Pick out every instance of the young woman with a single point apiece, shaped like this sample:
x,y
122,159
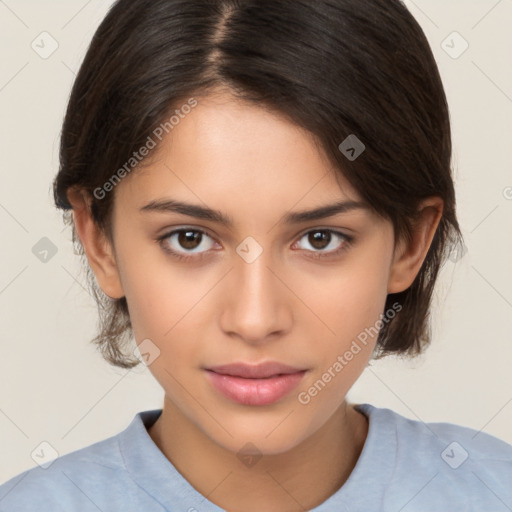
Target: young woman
x,y
262,192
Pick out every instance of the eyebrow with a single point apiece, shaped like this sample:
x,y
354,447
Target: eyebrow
x,y
205,213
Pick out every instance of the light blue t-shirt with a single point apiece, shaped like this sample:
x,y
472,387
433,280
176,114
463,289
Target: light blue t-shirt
x,y
405,466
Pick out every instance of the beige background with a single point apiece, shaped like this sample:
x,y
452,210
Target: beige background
x,y
54,387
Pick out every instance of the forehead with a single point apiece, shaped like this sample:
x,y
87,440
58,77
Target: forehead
x,y
227,152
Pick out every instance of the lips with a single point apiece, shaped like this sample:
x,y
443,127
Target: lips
x,y
260,371
254,385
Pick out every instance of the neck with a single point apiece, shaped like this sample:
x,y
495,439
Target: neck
x,y
296,480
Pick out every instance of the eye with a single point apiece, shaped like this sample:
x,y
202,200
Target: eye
x,y
194,244
186,243
326,242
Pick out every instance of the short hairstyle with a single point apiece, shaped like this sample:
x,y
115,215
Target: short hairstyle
x,y
333,67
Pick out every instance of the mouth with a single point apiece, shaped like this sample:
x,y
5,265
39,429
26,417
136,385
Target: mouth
x,y
254,385
260,371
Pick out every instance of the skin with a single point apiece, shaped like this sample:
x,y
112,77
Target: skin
x,y
286,306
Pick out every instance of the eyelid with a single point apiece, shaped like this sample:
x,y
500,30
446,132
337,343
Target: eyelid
x,y
332,229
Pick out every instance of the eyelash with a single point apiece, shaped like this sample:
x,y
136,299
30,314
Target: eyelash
x,y
347,243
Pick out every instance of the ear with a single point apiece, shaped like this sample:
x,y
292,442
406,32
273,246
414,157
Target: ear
x,y
97,247
409,256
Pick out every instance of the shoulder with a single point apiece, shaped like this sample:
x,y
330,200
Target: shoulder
x,y
96,477
61,481
482,445
443,461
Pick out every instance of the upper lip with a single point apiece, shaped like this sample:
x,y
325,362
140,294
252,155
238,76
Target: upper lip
x,y
251,371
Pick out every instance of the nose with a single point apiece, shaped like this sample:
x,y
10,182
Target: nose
x,y
256,304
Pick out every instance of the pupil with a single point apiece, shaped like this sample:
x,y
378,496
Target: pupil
x,y
188,239
318,238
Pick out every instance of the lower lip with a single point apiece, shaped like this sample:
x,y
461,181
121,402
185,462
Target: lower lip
x,y
255,391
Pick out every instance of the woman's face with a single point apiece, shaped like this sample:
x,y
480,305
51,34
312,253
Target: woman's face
x,y
267,287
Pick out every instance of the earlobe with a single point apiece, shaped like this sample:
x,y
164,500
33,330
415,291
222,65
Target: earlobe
x,y
97,247
409,256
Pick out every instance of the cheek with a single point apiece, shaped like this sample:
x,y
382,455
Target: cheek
x,y
351,305
348,298
160,295
159,292
350,301
162,303
167,300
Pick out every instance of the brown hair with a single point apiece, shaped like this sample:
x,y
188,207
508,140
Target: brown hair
x,y
333,67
